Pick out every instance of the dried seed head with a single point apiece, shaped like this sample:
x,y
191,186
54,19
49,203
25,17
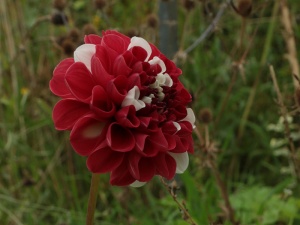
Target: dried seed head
x,y
100,4
152,21
244,7
205,115
131,33
189,4
74,34
89,29
59,18
68,46
59,4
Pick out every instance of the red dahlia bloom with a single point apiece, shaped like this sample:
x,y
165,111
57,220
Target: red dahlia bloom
x,y
125,107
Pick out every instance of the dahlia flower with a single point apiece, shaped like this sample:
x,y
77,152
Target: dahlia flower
x,y
125,107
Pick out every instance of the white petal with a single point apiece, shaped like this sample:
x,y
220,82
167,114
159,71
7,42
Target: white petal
x,y
158,61
182,161
140,42
161,79
168,81
190,117
155,84
160,94
177,125
137,184
84,54
93,130
147,99
132,98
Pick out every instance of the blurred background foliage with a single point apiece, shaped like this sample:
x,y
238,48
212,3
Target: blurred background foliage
x,y
246,154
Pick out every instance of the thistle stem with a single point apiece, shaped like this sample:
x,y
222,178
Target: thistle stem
x,y
92,198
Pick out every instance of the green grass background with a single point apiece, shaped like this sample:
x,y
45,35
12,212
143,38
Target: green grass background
x,y
42,181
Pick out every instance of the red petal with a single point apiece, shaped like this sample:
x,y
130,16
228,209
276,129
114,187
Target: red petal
x,y
150,149
124,38
117,89
101,104
169,128
136,80
92,39
140,53
100,75
66,112
119,138
147,169
181,145
133,165
104,160
165,165
121,175
129,58
171,141
104,57
126,117
87,134
158,138
186,128
140,140
141,168
57,83
80,82
120,67
180,112
114,42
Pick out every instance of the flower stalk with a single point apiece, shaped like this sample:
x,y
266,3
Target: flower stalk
x,y
92,198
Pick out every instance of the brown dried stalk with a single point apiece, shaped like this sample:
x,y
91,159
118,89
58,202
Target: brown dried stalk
x,y
289,38
211,150
284,114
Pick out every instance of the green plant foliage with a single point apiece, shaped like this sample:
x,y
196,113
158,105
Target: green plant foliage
x,y
43,182
265,205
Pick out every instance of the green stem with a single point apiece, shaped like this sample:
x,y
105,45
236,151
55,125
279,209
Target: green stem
x,y
92,199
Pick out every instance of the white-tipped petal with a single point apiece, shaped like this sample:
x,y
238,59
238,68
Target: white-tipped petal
x,y
190,117
182,161
158,61
137,184
140,42
132,98
177,125
84,54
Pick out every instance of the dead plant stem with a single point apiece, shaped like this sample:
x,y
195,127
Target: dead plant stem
x,y
209,29
181,206
223,191
289,38
284,114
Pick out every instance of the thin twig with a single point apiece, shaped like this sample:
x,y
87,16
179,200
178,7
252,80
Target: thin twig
x,y
186,215
208,29
27,36
284,114
210,149
224,193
